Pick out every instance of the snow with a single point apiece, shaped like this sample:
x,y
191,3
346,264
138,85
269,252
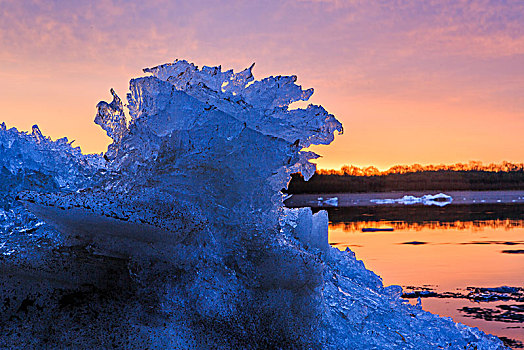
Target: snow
x,y
179,237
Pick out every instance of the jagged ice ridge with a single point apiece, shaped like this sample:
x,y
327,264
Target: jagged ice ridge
x,y
178,238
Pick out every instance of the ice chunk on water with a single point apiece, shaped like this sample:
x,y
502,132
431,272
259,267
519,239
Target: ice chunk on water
x,y
439,199
333,201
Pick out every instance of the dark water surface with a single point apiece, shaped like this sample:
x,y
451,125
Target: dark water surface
x,y
464,260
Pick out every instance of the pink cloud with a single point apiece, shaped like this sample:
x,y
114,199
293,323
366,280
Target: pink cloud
x,y
457,52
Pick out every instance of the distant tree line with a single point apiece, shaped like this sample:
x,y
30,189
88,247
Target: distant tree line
x,y
424,180
403,169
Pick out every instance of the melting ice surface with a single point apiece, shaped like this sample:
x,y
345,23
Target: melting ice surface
x,y
179,238
439,199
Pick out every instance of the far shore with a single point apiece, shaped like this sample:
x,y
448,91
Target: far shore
x,y
422,181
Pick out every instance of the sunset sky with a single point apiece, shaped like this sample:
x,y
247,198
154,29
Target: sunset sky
x,y
412,81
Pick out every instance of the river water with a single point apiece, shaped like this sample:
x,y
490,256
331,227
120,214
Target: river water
x,y
463,259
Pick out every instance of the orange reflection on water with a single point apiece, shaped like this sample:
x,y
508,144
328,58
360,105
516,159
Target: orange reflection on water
x,y
446,256
477,225
450,255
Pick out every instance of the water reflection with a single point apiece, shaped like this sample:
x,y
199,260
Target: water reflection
x,y
478,225
451,214
457,259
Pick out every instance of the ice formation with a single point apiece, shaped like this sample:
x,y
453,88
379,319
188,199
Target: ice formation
x,y
180,239
31,161
333,201
439,199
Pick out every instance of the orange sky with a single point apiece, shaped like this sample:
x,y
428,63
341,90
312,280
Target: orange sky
x,y
412,82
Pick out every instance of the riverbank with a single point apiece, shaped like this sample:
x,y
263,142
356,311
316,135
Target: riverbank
x,y
442,180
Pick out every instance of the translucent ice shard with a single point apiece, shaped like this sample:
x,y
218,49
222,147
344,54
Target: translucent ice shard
x,y
261,105
112,119
44,163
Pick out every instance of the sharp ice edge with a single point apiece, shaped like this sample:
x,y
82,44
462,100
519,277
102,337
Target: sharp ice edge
x,y
192,200
38,161
439,199
32,161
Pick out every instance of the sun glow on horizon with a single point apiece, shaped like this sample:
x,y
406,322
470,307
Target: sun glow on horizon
x,y
429,84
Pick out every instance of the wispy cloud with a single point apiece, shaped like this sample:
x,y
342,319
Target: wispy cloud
x,y
462,53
